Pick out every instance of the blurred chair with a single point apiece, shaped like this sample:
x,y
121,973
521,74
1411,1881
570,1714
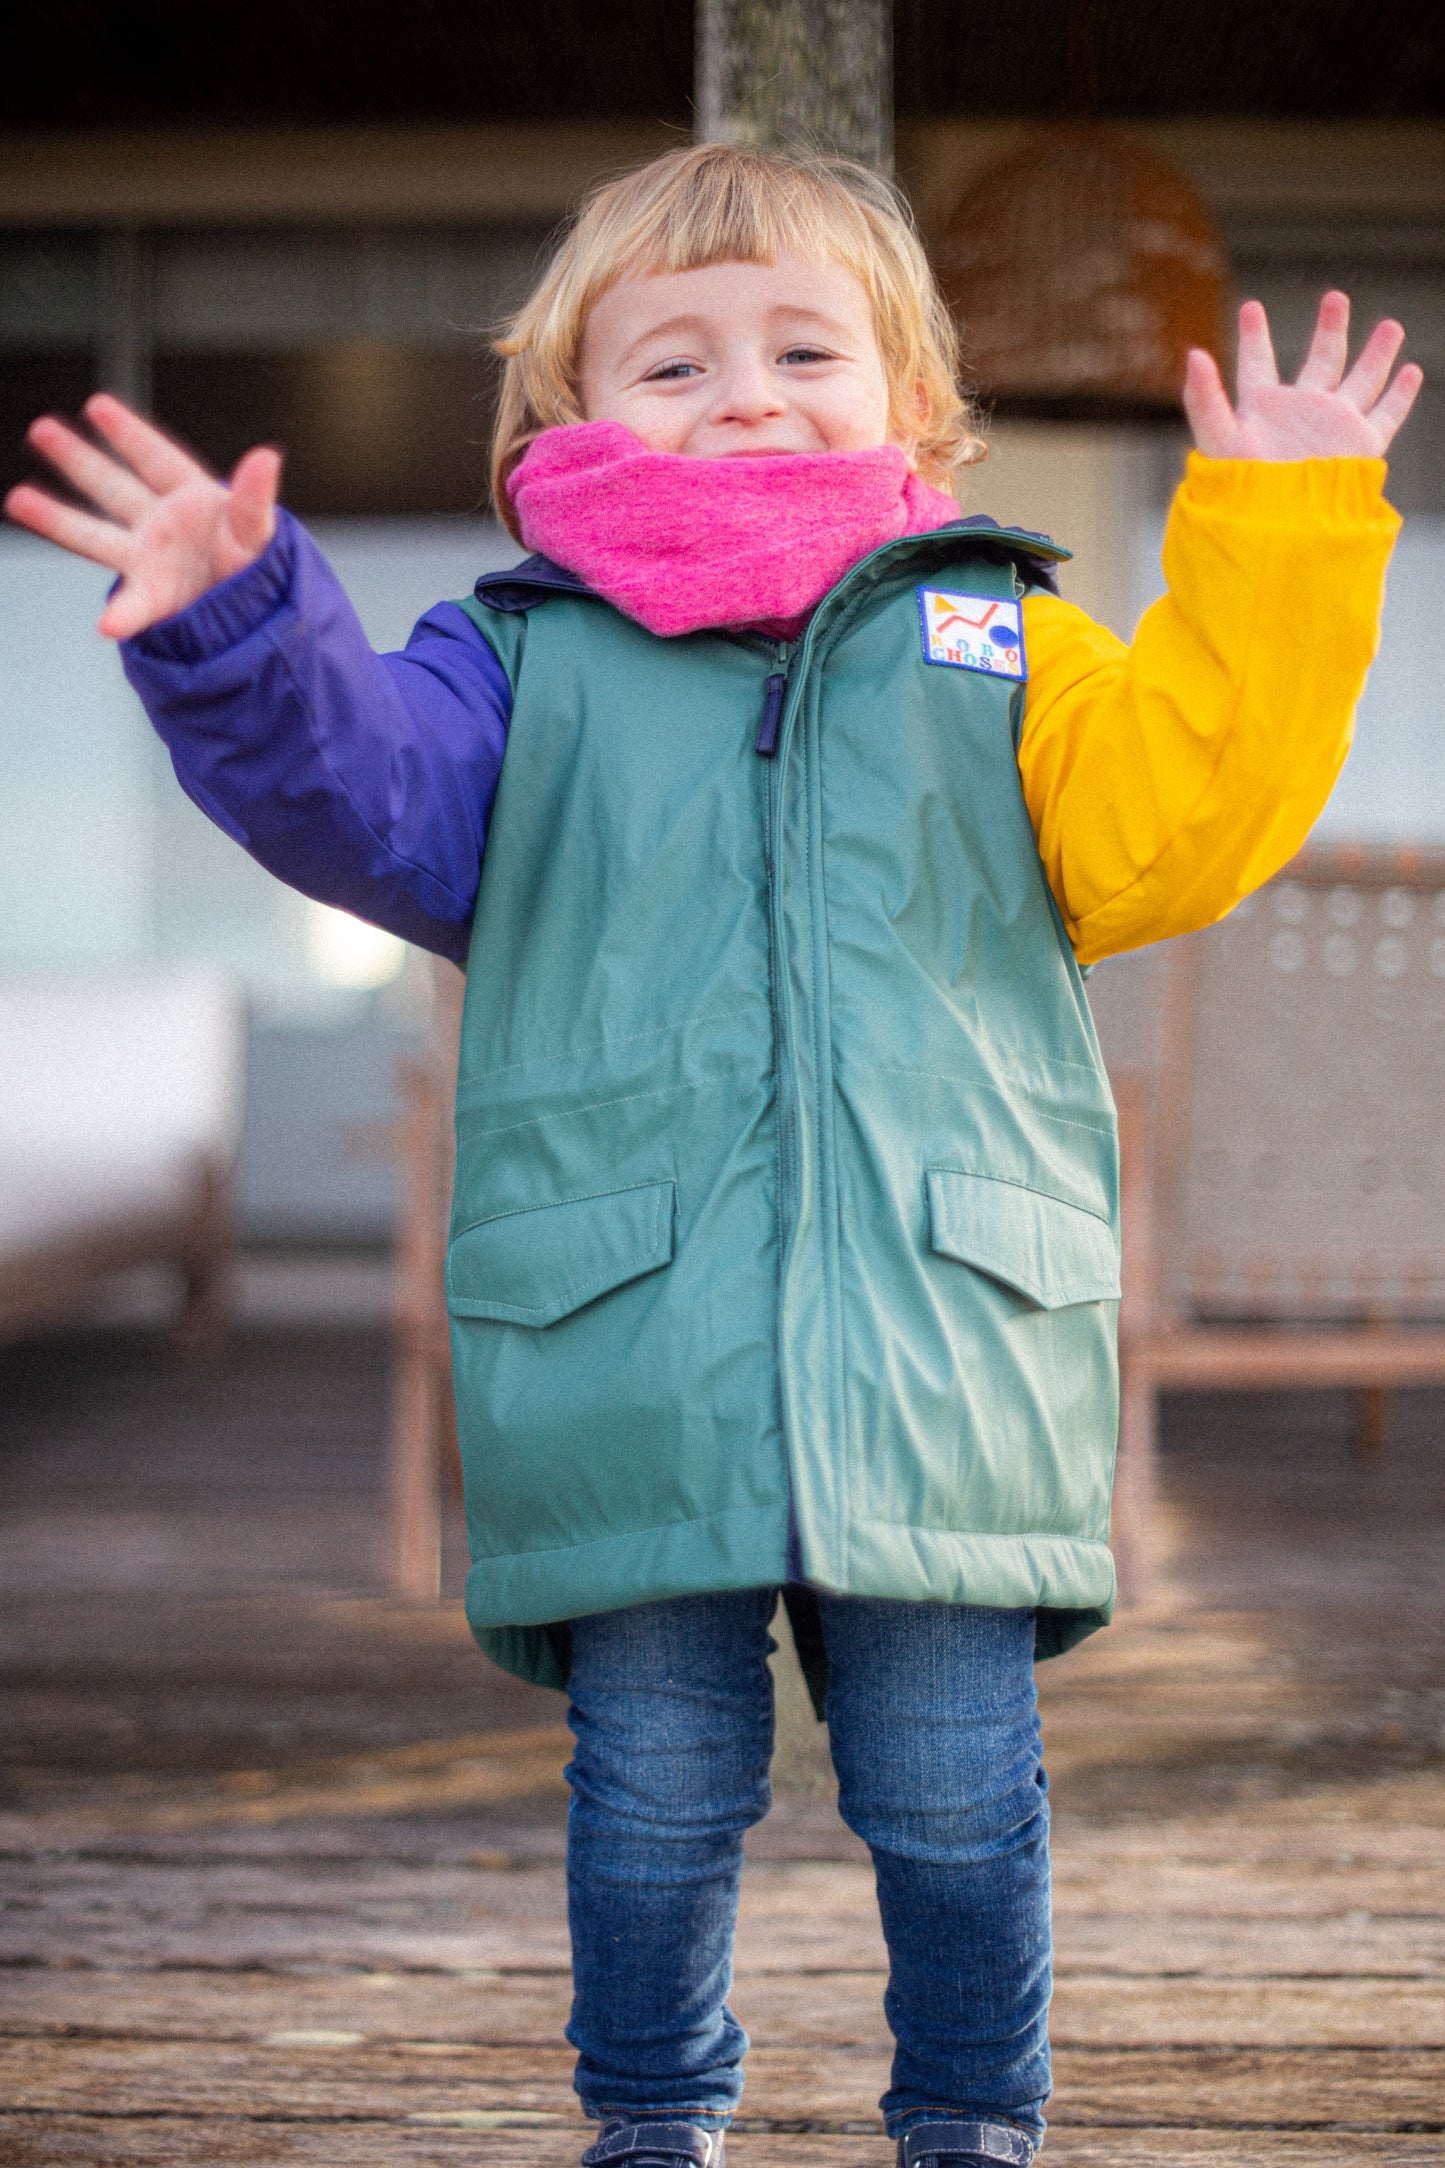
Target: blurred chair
x,y
422,1441
1281,1088
120,1110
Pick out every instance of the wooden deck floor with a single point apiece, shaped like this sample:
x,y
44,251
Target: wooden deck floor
x,y
282,1859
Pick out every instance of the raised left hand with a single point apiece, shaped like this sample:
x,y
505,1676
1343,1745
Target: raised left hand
x,y
1324,414
164,522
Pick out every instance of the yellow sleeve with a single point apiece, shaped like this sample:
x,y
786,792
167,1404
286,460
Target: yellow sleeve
x,y
1168,779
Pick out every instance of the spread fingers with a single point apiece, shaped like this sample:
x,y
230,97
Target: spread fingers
x,y
96,474
1371,373
99,539
1394,405
1255,367
159,463
1324,364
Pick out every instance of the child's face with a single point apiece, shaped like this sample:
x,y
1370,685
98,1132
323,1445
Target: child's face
x,y
739,358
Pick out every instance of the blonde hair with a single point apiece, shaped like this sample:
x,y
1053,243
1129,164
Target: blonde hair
x,y
716,203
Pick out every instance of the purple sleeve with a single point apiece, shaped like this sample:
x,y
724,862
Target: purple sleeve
x,y
364,780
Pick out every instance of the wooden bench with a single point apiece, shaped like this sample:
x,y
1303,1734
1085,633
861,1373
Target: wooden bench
x,y
1281,1088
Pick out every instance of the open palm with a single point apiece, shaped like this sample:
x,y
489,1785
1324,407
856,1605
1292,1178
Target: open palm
x,y
1325,414
162,520
171,529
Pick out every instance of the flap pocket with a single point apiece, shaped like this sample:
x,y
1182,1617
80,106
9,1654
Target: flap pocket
x,y
535,1266
1053,1252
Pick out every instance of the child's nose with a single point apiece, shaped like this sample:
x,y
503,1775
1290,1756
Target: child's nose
x,y
749,392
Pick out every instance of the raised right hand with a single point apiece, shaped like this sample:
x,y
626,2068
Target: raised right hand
x,y
163,522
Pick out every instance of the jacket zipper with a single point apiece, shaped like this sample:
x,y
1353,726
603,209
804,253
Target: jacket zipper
x,y
781,698
774,697
774,694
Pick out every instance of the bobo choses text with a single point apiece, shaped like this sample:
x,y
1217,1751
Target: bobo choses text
x,y
786,1176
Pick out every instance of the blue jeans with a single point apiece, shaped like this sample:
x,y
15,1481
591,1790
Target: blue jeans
x,y
934,1732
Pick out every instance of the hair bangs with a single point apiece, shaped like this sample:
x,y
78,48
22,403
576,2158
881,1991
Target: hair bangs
x,y
720,203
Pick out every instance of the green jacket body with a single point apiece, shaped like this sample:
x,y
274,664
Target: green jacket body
x,y
785,1226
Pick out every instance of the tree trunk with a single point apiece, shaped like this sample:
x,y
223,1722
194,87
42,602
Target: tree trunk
x,y
798,75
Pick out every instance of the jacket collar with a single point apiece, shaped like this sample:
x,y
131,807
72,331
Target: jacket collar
x,y
1034,556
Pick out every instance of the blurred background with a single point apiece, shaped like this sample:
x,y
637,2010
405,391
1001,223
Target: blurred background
x,y
297,223
282,1853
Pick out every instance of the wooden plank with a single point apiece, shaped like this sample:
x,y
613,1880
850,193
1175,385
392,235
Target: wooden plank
x,y
1238,1839
1101,1943
779,2009
1153,2148
1224,1672
1178,1760
278,1944
1307,1885
212,2005
1101,1727
317,1887
1299,1888
1237,2088
1097,2010
1222,2088
187,2142
77,2140
1265,1839
1233,1948
792,1917
272,1913
386,1893
477,1769
379,2079
1251,1947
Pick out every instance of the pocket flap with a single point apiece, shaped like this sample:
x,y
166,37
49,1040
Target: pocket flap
x,y
1053,1252
534,1266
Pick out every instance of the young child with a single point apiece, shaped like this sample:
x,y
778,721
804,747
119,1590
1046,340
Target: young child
x,y
773,809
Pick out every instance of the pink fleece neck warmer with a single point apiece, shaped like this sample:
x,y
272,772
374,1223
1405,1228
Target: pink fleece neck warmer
x,y
680,544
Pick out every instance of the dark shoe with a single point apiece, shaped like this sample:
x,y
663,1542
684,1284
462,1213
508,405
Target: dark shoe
x,y
965,2145
655,2145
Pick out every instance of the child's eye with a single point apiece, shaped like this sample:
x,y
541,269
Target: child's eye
x,y
806,353
668,372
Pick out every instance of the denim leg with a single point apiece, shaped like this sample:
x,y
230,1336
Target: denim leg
x,y
934,1731
672,1708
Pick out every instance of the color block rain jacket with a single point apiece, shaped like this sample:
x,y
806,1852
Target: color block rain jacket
x,y
784,1241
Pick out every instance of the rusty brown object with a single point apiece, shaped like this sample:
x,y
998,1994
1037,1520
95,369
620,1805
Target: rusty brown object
x,y
1081,268
421,1445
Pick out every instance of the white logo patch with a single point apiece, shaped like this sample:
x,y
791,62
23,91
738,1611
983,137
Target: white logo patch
x,y
973,632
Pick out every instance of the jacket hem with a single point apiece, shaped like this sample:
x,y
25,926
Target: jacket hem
x,y
744,1547
1002,1572
1068,1582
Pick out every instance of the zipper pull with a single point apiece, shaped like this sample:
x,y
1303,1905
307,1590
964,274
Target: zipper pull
x,y
767,740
